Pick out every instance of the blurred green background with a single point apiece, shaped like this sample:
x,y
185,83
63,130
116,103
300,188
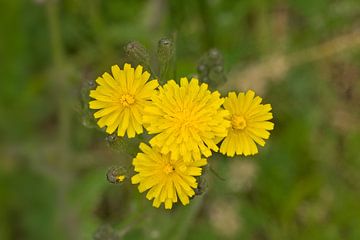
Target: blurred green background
x,y
302,56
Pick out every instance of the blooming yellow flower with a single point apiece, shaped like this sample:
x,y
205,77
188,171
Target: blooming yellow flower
x,y
166,178
121,98
188,119
249,124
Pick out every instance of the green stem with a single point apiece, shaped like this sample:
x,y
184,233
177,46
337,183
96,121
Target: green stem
x,y
184,226
60,85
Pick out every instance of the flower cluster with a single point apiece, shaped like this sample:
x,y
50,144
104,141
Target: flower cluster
x,y
188,122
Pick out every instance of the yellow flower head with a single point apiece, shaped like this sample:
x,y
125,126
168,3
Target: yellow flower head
x,y
188,119
121,98
166,178
249,124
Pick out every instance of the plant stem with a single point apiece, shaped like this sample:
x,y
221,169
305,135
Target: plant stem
x,y
183,227
60,85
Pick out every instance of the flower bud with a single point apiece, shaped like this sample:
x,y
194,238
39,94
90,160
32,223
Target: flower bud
x,y
166,59
165,50
116,174
211,68
87,118
202,186
123,144
137,53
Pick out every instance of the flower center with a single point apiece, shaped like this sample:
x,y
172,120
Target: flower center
x,y
184,118
238,122
168,168
127,100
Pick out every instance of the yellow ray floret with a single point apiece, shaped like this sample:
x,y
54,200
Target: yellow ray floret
x,y
166,179
249,124
120,99
187,118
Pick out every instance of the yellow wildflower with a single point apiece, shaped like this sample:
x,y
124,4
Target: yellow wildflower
x,y
165,178
188,119
121,98
249,124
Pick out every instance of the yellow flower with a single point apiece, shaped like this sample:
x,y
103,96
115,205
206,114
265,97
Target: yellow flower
x,y
188,119
249,124
165,178
121,98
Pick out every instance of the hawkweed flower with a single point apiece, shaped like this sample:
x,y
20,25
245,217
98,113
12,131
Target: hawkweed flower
x,y
249,124
121,98
187,119
165,178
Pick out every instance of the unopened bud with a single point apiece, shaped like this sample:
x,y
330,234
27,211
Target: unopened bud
x,y
116,174
87,118
165,50
111,138
137,53
91,84
166,59
215,55
211,68
123,144
202,186
202,69
217,76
